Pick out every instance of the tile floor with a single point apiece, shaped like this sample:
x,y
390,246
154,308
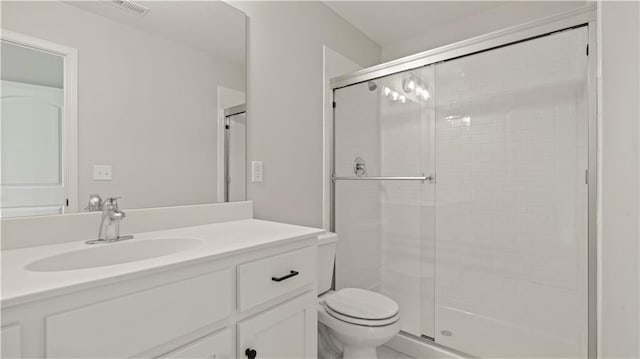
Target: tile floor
x,y
388,353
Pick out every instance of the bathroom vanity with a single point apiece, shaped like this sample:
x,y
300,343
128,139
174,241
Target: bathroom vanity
x,y
232,289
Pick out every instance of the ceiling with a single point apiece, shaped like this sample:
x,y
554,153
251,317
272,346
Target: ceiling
x,y
388,21
211,26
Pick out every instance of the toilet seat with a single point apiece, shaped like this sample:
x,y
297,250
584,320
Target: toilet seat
x,y
362,307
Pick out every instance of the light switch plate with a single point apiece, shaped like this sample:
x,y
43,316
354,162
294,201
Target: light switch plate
x,y
257,171
102,172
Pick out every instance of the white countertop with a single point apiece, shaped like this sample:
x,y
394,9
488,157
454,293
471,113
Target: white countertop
x,y
220,239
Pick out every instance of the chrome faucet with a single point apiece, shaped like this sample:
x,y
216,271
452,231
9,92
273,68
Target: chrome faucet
x,y
110,214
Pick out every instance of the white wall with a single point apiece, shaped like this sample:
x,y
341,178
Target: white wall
x,y
510,14
619,242
285,101
146,105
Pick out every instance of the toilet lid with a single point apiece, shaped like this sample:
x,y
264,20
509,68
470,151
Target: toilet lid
x,y
362,304
362,322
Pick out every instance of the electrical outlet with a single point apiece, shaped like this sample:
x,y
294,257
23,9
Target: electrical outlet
x,y
257,171
102,172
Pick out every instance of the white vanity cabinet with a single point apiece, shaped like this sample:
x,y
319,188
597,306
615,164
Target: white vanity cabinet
x,y
216,308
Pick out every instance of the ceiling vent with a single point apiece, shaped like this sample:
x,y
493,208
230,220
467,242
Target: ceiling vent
x,y
130,7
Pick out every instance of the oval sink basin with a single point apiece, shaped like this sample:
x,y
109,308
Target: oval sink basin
x,y
108,254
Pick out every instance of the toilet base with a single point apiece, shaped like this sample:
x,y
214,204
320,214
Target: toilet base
x,y
354,352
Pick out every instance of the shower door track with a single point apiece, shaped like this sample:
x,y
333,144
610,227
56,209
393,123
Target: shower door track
x,y
584,16
546,26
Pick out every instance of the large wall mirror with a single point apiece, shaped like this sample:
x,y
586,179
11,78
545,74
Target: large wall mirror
x,y
143,100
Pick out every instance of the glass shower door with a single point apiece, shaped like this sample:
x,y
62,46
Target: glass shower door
x,y
511,200
381,129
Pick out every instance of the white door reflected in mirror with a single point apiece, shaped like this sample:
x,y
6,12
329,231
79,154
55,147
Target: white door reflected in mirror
x,y
38,130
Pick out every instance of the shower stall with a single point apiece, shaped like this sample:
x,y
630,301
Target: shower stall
x,y
463,187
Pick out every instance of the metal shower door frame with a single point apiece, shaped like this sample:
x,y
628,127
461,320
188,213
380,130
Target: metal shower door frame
x,y
584,16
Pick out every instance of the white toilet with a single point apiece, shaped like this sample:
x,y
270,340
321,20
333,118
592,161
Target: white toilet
x,y
351,320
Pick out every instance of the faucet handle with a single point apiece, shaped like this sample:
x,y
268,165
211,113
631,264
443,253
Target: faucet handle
x,y
95,203
111,201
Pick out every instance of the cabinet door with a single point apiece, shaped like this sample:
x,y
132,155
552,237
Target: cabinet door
x,y
11,342
286,331
214,346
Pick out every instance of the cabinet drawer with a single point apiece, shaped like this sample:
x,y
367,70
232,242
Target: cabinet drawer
x,y
214,346
129,325
269,278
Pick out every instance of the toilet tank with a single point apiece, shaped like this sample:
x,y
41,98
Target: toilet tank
x,y
326,259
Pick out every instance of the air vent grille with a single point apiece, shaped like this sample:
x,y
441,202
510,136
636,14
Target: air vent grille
x,y
130,7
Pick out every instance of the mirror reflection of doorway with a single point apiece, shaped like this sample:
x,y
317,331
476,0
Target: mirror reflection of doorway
x,y
235,128
38,127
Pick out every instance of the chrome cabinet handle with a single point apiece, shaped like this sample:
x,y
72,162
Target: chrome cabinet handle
x,y
280,279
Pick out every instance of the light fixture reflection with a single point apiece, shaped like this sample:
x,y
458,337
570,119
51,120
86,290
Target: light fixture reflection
x,y
413,86
459,120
